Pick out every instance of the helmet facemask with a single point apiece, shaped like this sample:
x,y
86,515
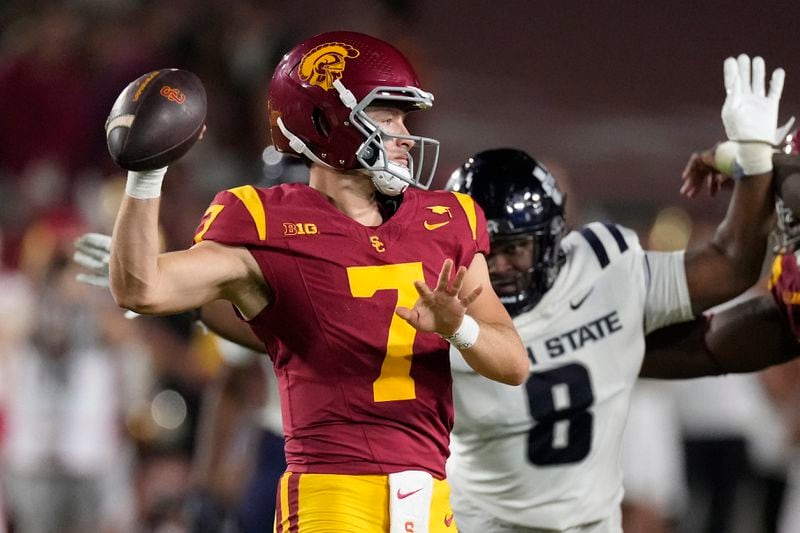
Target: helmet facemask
x,y
530,284
388,177
520,200
787,229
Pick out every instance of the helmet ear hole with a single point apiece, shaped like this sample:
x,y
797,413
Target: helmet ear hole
x,y
320,122
369,153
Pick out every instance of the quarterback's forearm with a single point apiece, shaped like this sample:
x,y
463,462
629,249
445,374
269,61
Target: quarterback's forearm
x,y
133,266
731,262
498,354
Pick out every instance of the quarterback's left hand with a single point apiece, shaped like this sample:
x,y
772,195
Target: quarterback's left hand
x,y
440,310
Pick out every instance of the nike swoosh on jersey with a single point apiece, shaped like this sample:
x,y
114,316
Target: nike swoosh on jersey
x,y
448,520
575,305
432,227
404,495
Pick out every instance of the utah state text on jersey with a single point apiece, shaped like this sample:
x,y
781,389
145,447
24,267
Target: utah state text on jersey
x,y
575,339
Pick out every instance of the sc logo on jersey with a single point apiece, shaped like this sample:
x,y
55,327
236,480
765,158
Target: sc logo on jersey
x,y
299,228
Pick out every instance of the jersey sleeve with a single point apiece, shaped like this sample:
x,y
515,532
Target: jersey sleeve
x,y
784,284
236,217
660,275
667,301
477,222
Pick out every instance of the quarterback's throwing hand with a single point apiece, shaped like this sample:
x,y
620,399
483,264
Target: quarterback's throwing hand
x,y
440,310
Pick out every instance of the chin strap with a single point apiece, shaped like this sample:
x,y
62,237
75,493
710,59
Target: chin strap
x,y
388,182
297,144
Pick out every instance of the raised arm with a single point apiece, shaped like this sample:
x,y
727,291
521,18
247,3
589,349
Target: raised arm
x,y
753,332
731,262
148,282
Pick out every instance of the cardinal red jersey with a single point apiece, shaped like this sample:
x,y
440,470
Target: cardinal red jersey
x,y
784,283
362,392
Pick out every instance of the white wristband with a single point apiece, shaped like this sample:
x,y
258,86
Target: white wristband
x,y
754,158
466,335
145,184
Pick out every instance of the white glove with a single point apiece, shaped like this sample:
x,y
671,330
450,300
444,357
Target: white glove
x,y
93,251
750,115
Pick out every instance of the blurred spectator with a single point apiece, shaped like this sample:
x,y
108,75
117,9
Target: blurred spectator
x,y
652,461
66,458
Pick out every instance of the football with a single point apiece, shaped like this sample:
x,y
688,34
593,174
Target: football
x,y
156,119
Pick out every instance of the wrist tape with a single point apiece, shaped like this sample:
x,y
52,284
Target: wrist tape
x,y
145,184
754,158
466,335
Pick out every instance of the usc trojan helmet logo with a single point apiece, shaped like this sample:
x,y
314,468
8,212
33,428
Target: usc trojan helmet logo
x,y
325,64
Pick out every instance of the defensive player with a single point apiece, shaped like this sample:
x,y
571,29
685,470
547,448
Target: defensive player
x,y
545,457
334,279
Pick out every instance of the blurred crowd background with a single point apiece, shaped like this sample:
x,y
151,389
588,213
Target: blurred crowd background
x,y
102,418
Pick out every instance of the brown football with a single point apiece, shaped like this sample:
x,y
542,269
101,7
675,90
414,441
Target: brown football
x,y
156,119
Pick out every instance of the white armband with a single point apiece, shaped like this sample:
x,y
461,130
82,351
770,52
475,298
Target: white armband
x,y
466,335
145,184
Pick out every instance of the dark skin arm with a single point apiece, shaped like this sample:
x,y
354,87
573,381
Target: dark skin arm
x,y
731,261
749,336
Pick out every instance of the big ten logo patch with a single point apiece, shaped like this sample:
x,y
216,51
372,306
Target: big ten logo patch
x,y
299,228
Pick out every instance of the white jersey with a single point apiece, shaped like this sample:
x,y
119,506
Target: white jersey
x,y
546,454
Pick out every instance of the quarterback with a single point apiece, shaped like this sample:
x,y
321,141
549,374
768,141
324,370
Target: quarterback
x,y
356,284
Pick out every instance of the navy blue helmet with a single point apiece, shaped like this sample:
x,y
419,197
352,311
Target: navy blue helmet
x,y
521,200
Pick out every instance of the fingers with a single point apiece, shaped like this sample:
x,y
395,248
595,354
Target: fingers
x,y
444,284
98,241
404,312
696,173
424,291
471,297
90,261
458,282
444,276
731,75
758,76
776,84
744,71
783,131
93,279
713,185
